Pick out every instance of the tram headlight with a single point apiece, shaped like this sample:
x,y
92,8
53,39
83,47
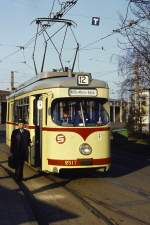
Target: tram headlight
x,y
85,149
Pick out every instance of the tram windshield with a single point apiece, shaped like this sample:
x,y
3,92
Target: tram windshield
x,y
79,112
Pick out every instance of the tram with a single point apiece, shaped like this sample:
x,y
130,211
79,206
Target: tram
x,y
67,114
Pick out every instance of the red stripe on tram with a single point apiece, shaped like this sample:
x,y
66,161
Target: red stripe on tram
x,y
12,123
16,124
83,132
79,162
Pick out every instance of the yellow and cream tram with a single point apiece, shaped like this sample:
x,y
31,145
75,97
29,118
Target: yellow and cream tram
x,y
67,115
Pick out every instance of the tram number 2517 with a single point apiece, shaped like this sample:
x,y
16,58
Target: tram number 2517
x,y
70,162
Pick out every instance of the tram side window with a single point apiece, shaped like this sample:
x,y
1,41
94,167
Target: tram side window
x,y
22,110
79,112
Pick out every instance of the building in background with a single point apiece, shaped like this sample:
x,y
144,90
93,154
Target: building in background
x,y
3,105
145,110
118,113
139,110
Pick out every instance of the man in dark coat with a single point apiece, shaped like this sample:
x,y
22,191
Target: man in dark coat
x,y
20,140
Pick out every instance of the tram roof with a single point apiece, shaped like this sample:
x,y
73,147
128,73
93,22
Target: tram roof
x,y
55,80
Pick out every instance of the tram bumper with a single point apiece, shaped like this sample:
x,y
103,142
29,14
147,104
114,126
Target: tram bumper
x,y
102,164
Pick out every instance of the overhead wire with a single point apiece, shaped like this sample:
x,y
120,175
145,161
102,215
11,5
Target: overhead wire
x,y
30,41
112,33
25,46
18,50
23,55
96,41
9,55
52,8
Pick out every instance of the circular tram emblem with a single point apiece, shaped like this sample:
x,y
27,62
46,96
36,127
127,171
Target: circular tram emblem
x,y
60,138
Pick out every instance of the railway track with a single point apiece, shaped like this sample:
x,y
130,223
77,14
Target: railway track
x,y
87,202
91,204
104,212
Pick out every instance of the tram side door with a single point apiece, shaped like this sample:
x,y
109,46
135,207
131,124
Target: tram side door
x,y
37,120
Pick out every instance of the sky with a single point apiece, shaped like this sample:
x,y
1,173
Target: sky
x,y
100,59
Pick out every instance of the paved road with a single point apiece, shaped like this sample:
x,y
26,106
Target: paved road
x,y
120,198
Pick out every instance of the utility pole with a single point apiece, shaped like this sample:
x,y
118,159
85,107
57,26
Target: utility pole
x,y
12,81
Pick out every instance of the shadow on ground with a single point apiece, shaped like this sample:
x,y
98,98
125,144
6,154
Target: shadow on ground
x,y
128,158
45,213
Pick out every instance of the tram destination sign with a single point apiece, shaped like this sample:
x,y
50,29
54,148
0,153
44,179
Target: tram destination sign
x,y
82,92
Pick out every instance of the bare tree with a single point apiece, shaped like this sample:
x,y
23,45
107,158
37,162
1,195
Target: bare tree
x,y
134,64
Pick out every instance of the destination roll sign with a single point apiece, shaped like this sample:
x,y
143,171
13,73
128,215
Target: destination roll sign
x,y
82,92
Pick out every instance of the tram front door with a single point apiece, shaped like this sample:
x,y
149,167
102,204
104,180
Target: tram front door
x,y
37,120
